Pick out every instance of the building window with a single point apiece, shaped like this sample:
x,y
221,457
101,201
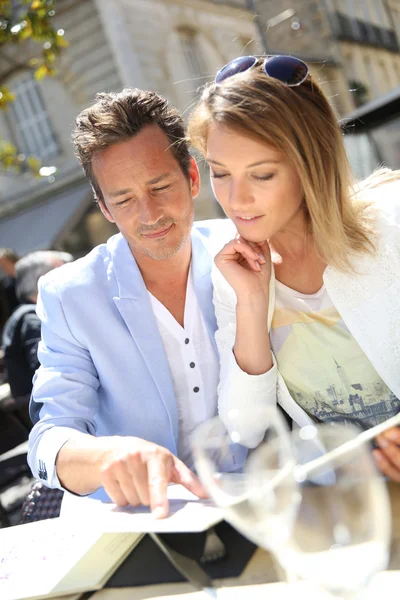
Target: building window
x,y
382,18
192,54
397,71
384,77
396,20
370,69
33,131
349,64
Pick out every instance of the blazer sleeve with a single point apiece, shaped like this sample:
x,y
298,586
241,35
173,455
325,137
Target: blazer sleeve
x,y
64,398
242,398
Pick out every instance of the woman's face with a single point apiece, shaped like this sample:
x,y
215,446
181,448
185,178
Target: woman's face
x,y
254,183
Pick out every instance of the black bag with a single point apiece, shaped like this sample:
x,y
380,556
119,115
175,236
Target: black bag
x,y
41,503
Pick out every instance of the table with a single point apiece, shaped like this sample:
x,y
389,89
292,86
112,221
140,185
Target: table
x,y
384,585
255,580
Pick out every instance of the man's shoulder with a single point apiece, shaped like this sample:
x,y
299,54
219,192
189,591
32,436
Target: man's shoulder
x,y
217,231
30,325
210,227
88,271
23,314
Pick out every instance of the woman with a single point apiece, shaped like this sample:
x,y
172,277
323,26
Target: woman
x,y
308,293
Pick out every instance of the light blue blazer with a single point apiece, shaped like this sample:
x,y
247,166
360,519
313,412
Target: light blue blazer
x,y
103,369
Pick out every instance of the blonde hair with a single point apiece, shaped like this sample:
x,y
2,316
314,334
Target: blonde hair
x,y
300,122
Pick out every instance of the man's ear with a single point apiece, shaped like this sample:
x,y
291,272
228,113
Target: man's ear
x,y
104,210
194,177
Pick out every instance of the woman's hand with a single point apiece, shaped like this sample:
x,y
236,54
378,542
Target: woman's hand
x,y
388,457
247,268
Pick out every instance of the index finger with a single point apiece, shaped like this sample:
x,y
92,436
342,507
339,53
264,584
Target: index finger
x,y
392,434
158,473
183,475
386,466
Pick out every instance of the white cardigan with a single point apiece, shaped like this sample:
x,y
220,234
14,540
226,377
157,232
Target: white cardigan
x,y
368,301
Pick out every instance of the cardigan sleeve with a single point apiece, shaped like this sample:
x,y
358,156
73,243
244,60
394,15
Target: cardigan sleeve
x,y
242,398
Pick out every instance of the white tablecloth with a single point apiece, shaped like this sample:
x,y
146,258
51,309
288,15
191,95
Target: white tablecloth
x,y
385,585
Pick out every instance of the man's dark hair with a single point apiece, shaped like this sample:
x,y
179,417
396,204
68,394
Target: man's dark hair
x,y
116,117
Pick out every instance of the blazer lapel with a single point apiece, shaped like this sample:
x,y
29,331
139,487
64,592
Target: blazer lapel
x,y
134,305
202,261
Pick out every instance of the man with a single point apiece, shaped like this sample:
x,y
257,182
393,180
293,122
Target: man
x,y
21,333
128,362
8,260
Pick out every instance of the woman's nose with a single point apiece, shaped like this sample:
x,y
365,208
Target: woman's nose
x,y
239,196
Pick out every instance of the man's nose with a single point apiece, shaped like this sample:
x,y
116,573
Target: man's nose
x,y
150,211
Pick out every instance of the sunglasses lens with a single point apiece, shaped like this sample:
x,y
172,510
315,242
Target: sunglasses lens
x,y
239,65
288,69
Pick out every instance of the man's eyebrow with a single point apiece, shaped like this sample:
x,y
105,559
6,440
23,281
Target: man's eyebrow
x,y
158,179
123,192
120,193
256,164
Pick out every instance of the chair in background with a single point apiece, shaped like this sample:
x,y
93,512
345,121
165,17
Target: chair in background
x,y
15,474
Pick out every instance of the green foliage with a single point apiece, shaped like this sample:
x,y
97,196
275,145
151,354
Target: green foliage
x,y
5,97
26,24
360,91
11,160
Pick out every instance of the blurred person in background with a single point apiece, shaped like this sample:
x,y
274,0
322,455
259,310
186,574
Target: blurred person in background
x,y
129,366
8,260
307,293
21,334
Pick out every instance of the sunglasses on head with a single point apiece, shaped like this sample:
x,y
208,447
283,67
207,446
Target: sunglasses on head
x,y
289,70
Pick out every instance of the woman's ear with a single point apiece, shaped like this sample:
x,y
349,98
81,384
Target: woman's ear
x,y
194,178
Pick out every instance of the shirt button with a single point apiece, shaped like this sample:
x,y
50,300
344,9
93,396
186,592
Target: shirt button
x,y
187,341
196,389
192,365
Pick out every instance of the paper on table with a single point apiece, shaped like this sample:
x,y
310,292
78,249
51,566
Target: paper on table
x,y
54,557
187,514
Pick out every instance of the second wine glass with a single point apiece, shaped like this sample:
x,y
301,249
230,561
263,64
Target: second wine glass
x,y
341,534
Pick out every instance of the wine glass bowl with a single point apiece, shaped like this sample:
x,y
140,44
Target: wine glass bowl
x,y
341,535
222,455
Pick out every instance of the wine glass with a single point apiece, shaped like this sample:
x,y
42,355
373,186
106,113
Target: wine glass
x,y
341,534
221,453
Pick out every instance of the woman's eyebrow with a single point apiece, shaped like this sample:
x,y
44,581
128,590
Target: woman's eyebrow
x,y
256,164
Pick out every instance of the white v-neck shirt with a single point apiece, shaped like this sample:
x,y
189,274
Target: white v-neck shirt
x,y
194,366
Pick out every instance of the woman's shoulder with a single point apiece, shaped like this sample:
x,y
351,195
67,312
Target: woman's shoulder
x,y
382,191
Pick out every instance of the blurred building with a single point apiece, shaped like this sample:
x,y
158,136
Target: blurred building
x,y
174,47
170,46
357,40
367,33
373,134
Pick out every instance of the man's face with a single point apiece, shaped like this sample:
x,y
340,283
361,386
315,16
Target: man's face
x,y
7,266
146,193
